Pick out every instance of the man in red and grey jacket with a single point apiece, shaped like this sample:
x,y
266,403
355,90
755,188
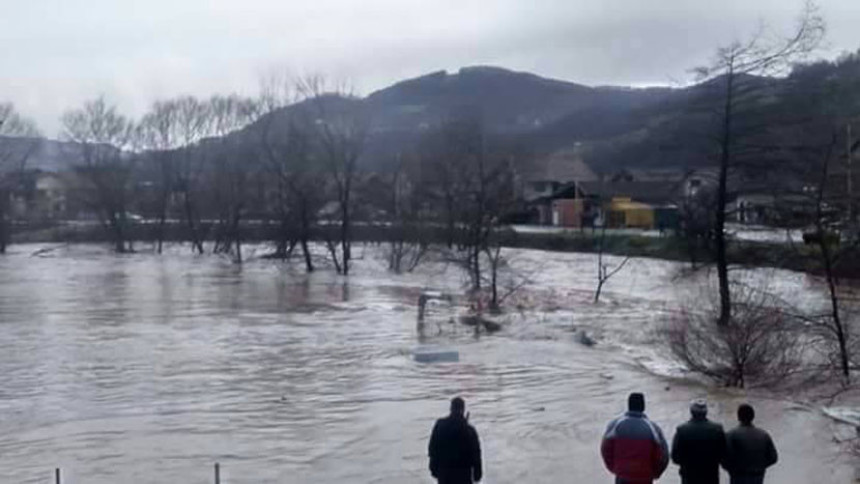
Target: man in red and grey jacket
x,y
633,447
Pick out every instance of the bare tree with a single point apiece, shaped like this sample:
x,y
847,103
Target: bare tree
x,y
106,168
477,200
504,279
234,166
441,152
340,123
406,213
18,139
810,150
193,125
734,79
161,139
760,347
472,197
834,325
604,273
286,139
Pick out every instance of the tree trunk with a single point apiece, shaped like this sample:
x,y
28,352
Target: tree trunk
x,y
345,243
598,291
4,235
827,256
162,219
494,302
162,224
309,264
476,266
305,235
4,224
720,220
236,235
841,339
119,237
196,244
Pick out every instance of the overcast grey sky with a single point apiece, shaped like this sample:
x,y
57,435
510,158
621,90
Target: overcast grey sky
x,y
58,53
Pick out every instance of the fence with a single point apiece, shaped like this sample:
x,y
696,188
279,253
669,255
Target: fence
x,y
58,478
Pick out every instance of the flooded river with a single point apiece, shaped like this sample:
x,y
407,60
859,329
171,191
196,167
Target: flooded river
x,y
148,369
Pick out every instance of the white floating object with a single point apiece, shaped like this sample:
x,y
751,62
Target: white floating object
x,y
435,355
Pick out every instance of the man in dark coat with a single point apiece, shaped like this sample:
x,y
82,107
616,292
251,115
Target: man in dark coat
x,y
633,447
455,450
749,450
699,446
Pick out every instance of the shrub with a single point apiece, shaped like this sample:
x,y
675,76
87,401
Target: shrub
x,y
759,346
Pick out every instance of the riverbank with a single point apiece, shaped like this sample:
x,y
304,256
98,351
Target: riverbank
x,y
746,252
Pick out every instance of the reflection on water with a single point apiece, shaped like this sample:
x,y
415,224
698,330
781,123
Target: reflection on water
x,y
148,369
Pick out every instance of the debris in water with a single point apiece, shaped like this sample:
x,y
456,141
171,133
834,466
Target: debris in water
x,y
477,321
583,339
428,296
435,355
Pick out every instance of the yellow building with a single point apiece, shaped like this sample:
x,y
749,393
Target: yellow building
x,y
625,213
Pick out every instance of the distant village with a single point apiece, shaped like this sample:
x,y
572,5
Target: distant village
x,y
558,190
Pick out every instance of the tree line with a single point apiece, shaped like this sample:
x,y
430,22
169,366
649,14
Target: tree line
x,y
291,159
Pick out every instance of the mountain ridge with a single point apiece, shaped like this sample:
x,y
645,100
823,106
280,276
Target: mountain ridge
x,y
617,126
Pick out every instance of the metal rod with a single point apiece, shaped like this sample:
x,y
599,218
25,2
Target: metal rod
x,y
57,475
217,473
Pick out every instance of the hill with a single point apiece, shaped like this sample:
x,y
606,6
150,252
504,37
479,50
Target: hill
x,y
615,127
545,114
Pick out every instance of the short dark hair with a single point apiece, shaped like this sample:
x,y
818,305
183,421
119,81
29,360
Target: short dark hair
x,y
746,414
458,406
636,402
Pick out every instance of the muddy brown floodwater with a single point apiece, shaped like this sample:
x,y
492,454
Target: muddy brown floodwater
x,y
147,369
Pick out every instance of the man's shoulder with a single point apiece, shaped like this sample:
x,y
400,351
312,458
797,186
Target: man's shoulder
x,y
686,425
454,422
745,431
613,423
636,427
761,433
617,419
714,426
684,428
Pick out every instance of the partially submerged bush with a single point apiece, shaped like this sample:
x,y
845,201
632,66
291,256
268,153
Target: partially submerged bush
x,y
759,346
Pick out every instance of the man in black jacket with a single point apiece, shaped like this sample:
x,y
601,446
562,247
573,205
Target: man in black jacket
x,y
455,450
749,450
699,446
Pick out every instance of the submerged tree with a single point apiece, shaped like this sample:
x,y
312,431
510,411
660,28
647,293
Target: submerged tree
x,y
736,85
233,169
340,126
761,347
405,208
160,138
193,124
103,138
816,152
296,188
18,140
475,200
